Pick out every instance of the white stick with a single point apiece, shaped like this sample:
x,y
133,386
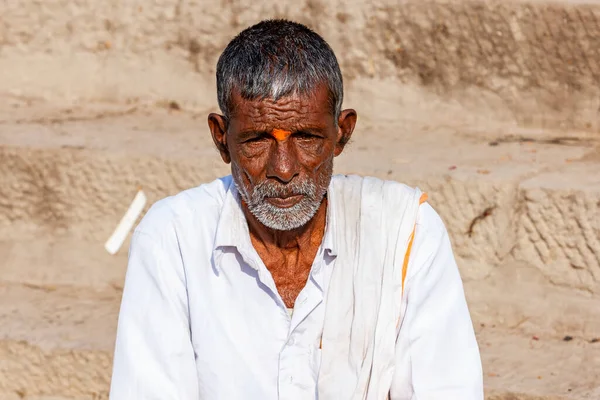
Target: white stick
x,y
114,243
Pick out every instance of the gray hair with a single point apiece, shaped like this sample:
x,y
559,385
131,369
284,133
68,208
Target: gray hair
x,y
274,59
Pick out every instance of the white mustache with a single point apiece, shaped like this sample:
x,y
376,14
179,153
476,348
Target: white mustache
x,y
274,189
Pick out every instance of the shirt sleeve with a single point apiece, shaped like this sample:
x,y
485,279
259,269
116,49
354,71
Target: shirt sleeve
x,y
154,357
437,357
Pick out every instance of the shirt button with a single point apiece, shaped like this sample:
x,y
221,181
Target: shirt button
x,y
291,379
292,341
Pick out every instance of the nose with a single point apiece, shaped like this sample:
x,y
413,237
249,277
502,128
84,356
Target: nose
x,y
283,162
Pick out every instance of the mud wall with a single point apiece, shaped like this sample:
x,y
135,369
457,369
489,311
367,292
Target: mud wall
x,y
535,64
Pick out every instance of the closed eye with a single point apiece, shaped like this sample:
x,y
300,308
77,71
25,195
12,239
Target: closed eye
x,y
257,138
307,135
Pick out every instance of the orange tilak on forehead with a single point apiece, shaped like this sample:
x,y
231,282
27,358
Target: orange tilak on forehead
x,y
280,134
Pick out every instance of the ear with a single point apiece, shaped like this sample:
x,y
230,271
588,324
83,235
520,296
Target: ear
x,y
218,129
346,124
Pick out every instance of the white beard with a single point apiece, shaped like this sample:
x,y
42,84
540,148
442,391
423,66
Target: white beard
x,y
284,219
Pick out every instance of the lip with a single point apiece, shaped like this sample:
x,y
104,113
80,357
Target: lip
x,y
284,202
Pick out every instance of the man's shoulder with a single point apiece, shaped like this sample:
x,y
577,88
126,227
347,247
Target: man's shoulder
x,y
192,206
428,219
356,182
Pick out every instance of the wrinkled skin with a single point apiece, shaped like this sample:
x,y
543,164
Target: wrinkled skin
x,y
280,143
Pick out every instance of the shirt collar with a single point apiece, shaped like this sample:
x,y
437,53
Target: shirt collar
x,y
329,237
232,228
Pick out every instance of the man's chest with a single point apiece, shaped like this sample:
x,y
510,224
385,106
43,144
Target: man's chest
x,y
290,282
290,270
241,331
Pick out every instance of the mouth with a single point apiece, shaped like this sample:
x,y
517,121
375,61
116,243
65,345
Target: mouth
x,y
284,202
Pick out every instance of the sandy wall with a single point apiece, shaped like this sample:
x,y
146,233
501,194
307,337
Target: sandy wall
x,y
535,64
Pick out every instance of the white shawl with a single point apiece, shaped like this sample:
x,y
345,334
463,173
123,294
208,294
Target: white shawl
x,y
365,294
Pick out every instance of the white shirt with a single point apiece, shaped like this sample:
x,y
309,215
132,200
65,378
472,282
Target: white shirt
x,y
201,317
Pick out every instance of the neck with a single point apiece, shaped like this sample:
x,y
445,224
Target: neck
x,y
308,235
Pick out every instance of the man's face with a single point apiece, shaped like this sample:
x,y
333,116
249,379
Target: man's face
x,y
282,154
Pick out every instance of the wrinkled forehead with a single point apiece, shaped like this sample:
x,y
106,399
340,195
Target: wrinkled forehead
x,y
291,112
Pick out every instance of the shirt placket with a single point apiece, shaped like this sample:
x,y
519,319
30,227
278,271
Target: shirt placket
x,y
296,375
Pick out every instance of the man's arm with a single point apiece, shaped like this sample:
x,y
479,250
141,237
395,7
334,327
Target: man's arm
x,y
154,358
436,352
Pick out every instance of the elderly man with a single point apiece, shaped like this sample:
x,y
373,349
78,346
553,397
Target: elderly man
x,y
281,281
